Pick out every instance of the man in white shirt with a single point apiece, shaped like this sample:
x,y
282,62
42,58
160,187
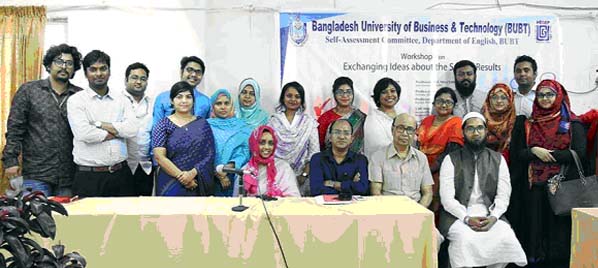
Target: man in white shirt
x,y
525,71
138,147
474,190
101,120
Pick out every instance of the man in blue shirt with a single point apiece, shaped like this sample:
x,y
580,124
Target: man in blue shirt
x,y
192,70
339,169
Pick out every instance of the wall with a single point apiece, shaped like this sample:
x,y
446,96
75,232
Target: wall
x,y
239,39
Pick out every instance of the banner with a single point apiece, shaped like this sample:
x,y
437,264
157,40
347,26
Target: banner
x,y
418,51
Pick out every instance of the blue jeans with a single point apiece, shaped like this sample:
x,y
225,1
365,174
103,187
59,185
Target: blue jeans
x,y
48,189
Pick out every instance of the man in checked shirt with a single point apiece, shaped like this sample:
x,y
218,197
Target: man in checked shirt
x,y
38,129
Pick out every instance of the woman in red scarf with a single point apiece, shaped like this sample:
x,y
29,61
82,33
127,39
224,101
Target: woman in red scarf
x,y
499,112
439,135
539,146
269,175
590,118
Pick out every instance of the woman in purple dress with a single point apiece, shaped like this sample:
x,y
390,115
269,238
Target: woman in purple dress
x,y
183,146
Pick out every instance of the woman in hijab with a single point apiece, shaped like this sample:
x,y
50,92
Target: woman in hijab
x,y
248,106
230,135
268,176
499,111
539,147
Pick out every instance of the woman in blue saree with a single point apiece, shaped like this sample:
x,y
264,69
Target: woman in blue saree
x,y
183,146
231,135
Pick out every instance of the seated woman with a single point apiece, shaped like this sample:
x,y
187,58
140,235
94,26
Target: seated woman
x,y
269,175
438,135
248,106
296,131
499,111
183,146
539,147
378,124
343,93
230,135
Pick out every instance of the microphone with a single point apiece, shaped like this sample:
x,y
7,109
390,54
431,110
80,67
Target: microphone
x,y
222,168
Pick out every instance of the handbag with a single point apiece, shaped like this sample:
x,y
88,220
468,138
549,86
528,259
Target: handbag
x,y
574,193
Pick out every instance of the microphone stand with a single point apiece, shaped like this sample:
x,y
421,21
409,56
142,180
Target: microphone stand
x,y
240,207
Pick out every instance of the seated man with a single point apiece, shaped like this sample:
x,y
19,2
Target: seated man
x,y
400,169
339,169
474,191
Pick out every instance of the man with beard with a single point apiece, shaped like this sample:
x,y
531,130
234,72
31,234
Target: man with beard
x,y
101,120
474,190
192,71
526,71
468,99
339,169
138,147
38,129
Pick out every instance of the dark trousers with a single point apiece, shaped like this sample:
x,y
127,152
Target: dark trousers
x,y
143,183
103,184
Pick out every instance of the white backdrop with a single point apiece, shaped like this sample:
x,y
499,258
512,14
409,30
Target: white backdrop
x,y
239,39
417,50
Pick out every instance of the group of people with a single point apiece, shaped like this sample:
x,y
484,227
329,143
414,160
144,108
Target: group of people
x,y
480,162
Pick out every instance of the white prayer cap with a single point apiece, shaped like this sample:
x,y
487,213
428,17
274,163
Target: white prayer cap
x,y
473,115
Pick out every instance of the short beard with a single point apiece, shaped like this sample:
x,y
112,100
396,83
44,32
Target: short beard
x,y
464,90
475,146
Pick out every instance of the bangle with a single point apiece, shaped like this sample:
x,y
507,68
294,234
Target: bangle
x,y
466,220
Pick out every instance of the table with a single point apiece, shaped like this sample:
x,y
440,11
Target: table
x,y
584,238
382,231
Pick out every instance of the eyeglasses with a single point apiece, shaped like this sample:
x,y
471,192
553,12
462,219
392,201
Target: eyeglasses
x,y
498,97
191,70
60,62
478,129
441,102
548,95
401,128
343,93
341,133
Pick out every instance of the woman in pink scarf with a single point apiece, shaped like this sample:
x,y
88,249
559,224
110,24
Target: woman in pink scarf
x,y
275,177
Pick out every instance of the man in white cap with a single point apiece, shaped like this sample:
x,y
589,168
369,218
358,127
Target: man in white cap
x,y
474,190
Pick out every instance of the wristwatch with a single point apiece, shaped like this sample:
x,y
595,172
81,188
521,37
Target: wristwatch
x,y
304,174
98,124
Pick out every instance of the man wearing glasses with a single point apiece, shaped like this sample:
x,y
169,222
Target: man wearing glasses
x,y
38,129
338,169
399,168
475,187
192,71
138,147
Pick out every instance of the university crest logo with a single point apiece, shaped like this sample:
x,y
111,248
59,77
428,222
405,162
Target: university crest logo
x,y
297,30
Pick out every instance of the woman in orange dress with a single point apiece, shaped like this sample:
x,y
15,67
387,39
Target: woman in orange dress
x,y
440,134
